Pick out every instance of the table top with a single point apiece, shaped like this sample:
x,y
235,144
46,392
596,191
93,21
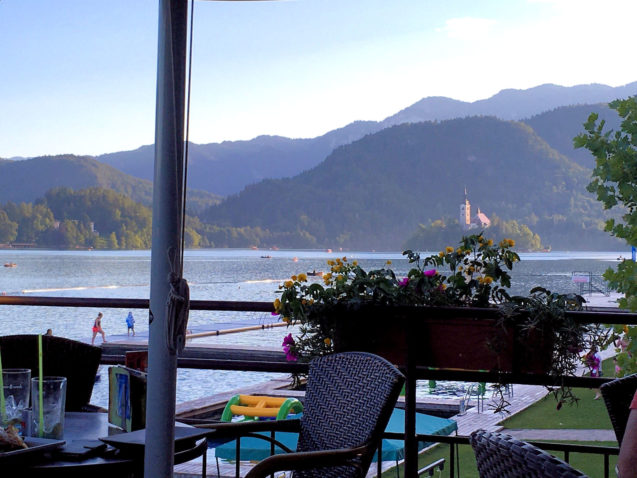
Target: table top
x,y
79,427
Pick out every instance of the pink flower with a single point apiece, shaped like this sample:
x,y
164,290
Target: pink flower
x,y
403,282
288,343
430,273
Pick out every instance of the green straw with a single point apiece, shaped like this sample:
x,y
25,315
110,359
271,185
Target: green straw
x,y
3,410
40,377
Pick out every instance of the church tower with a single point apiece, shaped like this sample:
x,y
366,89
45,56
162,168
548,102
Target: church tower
x,y
465,213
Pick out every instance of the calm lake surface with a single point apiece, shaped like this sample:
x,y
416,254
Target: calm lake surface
x,y
217,274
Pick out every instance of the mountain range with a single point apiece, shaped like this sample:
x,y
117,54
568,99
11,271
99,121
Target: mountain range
x,y
226,168
370,184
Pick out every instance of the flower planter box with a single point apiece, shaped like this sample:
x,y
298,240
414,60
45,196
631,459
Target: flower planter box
x,y
448,340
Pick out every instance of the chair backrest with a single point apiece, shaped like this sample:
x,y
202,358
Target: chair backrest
x,y
501,455
348,401
76,361
617,395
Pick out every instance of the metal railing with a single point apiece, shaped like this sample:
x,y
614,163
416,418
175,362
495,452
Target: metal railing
x,y
413,372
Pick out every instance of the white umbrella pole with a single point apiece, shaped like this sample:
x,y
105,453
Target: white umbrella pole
x,y
167,219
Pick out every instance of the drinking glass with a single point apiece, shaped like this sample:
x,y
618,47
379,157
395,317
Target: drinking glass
x,y
16,396
53,403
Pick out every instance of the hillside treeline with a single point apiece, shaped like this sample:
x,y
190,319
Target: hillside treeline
x,y
103,219
88,218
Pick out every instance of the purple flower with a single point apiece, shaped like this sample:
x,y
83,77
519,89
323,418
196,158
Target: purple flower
x,y
403,282
430,273
288,343
274,313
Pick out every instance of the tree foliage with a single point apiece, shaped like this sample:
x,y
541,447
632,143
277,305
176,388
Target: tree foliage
x,y
615,185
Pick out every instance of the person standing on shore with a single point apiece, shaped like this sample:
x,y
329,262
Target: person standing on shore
x,y
130,323
97,329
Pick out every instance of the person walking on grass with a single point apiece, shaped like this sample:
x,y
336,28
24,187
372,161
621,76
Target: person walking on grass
x,y
97,329
130,323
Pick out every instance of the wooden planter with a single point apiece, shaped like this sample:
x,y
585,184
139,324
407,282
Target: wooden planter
x,y
451,338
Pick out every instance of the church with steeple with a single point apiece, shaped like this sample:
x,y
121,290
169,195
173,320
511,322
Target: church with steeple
x,y
478,221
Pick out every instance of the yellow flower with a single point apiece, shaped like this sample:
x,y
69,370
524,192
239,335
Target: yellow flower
x,y
311,301
285,319
444,286
355,263
293,277
490,242
511,243
327,277
340,278
344,259
303,301
277,305
441,254
488,280
459,268
302,277
330,262
338,261
625,329
288,284
449,249
388,263
459,251
327,341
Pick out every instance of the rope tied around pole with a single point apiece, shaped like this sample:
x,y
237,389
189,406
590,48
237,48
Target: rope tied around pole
x,y
177,310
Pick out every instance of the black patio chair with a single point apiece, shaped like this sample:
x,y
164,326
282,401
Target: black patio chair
x,y
501,455
62,357
348,401
617,396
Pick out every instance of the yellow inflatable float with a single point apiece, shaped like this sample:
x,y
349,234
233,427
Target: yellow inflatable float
x,y
256,407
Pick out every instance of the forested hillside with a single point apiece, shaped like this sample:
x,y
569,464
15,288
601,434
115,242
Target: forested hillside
x,y
374,193
558,127
29,179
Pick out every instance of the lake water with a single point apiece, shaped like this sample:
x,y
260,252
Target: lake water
x,y
217,274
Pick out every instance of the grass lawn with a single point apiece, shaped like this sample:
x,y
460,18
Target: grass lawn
x,y
586,414
592,465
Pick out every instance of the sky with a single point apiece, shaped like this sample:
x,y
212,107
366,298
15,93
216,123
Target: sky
x,y
79,76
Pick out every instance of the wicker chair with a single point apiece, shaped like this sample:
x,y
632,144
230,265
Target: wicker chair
x,y
348,401
501,455
76,361
617,395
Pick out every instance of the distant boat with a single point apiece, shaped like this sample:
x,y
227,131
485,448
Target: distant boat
x,y
10,264
295,259
266,257
315,274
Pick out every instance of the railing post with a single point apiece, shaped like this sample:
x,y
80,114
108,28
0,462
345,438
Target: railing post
x,y
411,444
